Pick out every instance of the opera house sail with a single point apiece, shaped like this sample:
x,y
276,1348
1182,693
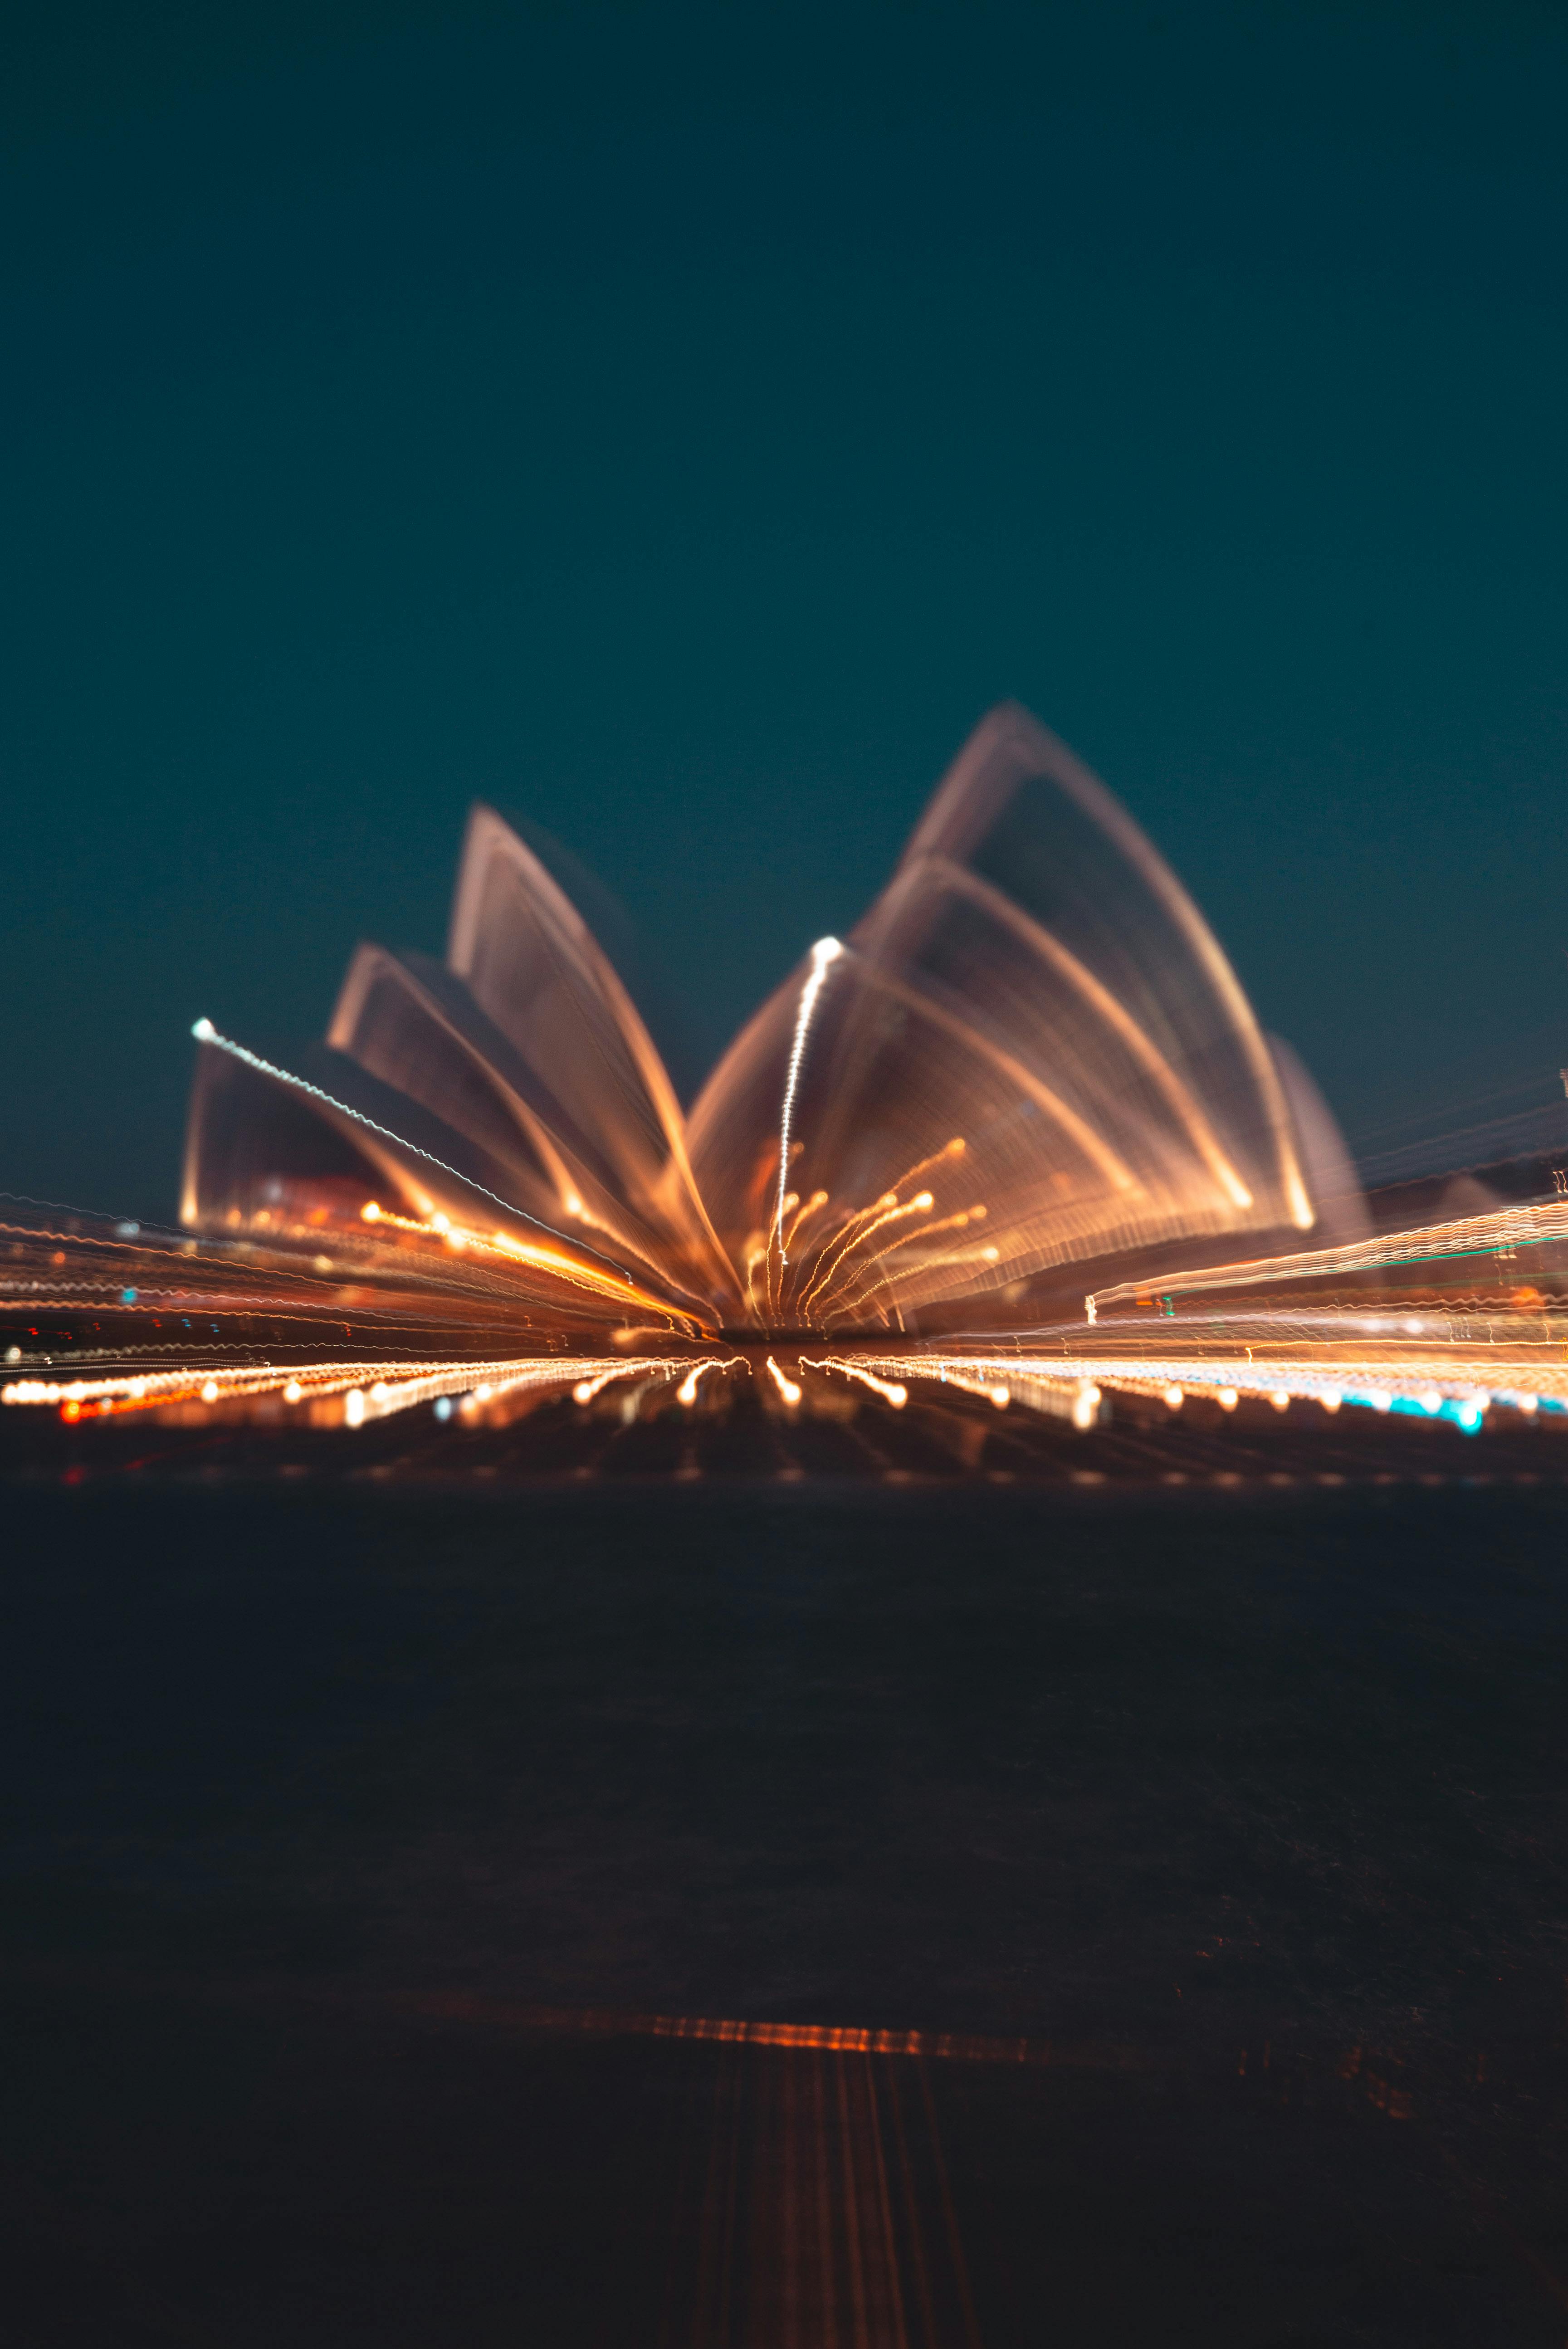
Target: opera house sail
x,y
1008,1134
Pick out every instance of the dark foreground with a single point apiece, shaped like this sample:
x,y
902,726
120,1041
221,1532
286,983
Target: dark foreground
x,y
367,1840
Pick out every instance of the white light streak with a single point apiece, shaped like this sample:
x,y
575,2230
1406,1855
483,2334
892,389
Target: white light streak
x,y
824,952
205,1033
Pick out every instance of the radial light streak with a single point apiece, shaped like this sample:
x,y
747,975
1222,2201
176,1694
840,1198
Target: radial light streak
x,y
1499,1235
379,1387
825,952
1454,1392
607,1279
921,1205
889,1391
686,1392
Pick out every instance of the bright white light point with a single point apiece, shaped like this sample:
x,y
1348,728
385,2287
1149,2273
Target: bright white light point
x,y
369,1213
1430,1399
354,1407
991,1254
483,1393
1331,1398
1281,1400
1085,1405
1227,1398
1412,1328
293,1391
573,1205
210,1392
203,1031
824,951
440,1223
1000,1396
379,1391
685,1391
1174,1398
786,1387
583,1392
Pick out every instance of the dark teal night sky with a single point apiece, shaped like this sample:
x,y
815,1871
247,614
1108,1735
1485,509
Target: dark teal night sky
x,y
678,428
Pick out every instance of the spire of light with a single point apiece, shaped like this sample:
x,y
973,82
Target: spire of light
x,y
826,951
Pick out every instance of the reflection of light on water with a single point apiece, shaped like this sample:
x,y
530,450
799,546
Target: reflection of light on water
x,y
819,2183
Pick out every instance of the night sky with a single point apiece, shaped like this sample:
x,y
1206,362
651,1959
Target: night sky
x,y
678,428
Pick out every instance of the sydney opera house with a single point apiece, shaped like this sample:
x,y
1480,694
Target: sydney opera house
x,y
1019,1136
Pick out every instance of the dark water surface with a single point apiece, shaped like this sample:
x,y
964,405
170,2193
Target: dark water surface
x,y
365,1845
